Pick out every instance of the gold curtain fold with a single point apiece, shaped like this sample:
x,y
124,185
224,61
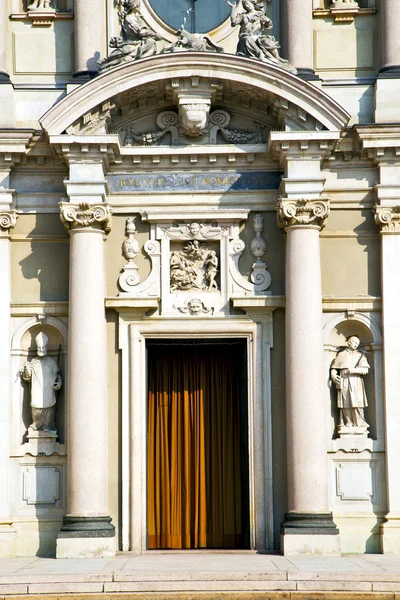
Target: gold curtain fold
x,y
195,475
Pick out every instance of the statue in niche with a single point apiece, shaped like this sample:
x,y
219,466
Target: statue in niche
x,y
136,40
253,41
41,5
194,267
43,373
347,372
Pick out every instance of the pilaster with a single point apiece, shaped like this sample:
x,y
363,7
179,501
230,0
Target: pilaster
x,y
12,146
302,212
87,530
382,143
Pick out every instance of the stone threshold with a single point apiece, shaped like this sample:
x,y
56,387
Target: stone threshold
x,y
212,596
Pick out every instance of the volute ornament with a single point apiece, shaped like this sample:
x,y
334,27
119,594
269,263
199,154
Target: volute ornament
x,y
302,212
85,215
388,218
8,220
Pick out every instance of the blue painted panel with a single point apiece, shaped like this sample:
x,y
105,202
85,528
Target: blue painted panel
x,y
194,182
205,15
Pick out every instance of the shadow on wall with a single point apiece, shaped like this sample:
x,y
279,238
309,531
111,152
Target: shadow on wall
x,y
48,263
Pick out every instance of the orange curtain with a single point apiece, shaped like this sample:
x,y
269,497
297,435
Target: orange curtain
x,y
195,474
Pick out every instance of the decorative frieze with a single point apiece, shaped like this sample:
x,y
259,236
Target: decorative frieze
x,y
8,221
388,218
302,211
85,215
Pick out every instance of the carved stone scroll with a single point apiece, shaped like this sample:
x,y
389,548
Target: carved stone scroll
x,y
388,218
85,215
8,220
130,248
302,212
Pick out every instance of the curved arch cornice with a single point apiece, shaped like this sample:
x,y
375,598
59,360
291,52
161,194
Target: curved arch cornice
x,y
224,67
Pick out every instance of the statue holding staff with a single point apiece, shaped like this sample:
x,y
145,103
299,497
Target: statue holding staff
x,y
43,373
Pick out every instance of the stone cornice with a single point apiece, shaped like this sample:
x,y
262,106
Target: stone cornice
x,y
388,218
13,146
302,145
8,220
291,212
85,215
380,142
87,148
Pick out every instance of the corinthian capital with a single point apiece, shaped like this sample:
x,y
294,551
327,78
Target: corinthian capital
x,y
8,220
85,215
388,218
302,212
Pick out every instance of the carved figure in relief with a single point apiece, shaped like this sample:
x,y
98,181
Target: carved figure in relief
x,y
347,372
194,267
136,40
253,41
43,373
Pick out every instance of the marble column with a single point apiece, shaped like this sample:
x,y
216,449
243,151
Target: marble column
x,y
7,114
308,527
4,76
298,36
390,41
387,88
89,37
87,530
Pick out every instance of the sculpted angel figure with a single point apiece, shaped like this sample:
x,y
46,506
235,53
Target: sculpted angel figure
x,y
136,40
253,41
347,372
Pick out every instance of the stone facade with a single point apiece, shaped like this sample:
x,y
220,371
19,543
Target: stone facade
x,y
213,185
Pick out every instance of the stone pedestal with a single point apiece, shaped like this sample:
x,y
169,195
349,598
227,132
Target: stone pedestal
x,y
87,529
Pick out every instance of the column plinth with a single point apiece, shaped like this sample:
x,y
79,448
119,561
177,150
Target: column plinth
x,y
308,527
87,530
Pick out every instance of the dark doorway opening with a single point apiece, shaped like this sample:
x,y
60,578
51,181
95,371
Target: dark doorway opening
x,y
197,451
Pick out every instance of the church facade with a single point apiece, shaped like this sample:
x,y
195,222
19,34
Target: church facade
x,y
199,237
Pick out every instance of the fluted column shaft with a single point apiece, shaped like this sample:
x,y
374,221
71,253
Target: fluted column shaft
x,y
298,36
89,36
390,40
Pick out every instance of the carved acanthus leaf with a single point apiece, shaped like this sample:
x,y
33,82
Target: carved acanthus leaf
x,y
302,212
85,215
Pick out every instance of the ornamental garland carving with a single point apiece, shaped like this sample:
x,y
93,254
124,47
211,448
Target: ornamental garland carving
x,y
302,212
8,220
86,215
388,218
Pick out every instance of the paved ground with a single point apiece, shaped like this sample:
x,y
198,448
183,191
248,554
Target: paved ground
x,y
203,575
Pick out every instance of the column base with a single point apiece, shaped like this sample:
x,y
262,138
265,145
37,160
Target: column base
x,y
86,547
86,537
309,534
84,76
390,536
310,545
307,74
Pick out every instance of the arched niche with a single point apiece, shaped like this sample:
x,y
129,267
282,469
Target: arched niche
x,y
23,348
336,333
